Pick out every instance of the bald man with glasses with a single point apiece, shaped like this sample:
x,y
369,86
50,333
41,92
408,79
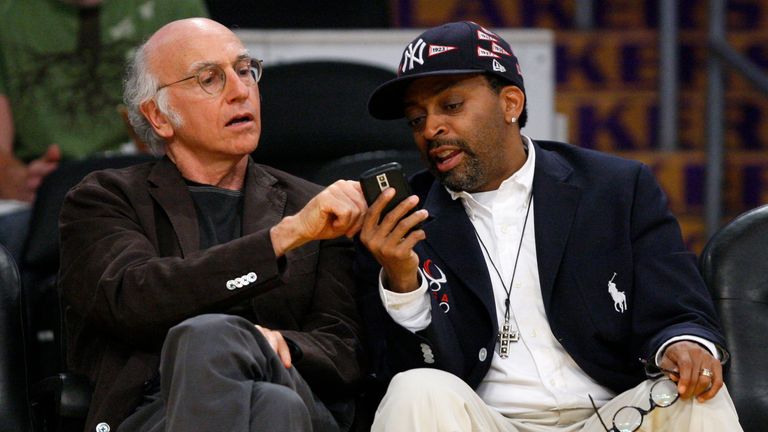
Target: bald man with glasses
x,y
203,291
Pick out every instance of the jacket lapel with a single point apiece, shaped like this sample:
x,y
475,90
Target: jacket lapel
x,y
555,204
451,236
264,204
169,191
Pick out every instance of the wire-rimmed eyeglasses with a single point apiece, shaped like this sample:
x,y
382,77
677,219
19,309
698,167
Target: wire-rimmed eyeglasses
x,y
212,78
629,418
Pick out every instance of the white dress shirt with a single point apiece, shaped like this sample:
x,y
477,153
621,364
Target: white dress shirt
x,y
538,375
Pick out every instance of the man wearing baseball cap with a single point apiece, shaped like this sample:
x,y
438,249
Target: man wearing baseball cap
x,y
547,287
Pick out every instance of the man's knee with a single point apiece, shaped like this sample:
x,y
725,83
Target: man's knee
x,y
208,333
205,325
427,384
276,404
430,400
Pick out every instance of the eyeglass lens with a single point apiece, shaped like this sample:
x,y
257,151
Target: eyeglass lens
x,y
663,394
213,78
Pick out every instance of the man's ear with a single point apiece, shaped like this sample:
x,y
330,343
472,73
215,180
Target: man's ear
x,y
157,119
513,100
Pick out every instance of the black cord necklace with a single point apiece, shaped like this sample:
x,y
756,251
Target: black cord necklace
x,y
507,335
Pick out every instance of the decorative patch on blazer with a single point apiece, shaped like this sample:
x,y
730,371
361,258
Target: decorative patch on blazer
x,y
619,298
435,284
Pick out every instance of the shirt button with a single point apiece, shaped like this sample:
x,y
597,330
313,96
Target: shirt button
x,y
483,354
102,427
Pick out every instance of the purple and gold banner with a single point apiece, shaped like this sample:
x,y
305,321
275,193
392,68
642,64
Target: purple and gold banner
x,y
560,14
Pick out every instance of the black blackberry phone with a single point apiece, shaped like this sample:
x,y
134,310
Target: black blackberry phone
x,y
375,180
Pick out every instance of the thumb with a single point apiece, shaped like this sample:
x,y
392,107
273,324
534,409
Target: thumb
x,y
53,153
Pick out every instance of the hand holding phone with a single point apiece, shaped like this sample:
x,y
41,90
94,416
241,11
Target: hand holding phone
x,y
391,246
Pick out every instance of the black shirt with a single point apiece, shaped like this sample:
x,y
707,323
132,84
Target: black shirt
x,y
219,213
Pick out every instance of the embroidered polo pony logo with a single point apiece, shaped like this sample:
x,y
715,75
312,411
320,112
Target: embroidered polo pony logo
x,y
619,298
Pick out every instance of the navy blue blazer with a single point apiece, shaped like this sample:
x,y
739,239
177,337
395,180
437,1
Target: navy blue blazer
x,y
595,215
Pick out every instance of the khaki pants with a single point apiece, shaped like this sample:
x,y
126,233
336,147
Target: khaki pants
x,y
430,400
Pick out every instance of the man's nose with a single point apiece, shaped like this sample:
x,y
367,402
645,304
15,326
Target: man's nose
x,y
235,88
434,126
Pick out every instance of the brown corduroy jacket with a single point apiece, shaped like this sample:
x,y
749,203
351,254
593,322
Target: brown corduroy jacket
x,y
131,268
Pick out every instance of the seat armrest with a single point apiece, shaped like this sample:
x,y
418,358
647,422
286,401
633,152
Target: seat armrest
x,y
63,395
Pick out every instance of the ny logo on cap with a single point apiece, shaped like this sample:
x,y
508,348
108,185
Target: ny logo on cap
x,y
410,55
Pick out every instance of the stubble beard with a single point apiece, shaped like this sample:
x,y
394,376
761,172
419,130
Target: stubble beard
x,y
467,176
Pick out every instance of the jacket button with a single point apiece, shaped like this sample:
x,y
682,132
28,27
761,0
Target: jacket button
x,y
426,350
102,427
231,285
252,277
483,354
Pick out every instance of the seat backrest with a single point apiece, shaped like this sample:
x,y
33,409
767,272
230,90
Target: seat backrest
x,y
734,265
14,406
317,111
350,167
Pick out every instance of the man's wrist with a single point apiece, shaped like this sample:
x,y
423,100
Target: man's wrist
x,y
7,160
706,344
285,236
402,285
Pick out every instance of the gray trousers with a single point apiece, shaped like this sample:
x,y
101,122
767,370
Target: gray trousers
x,y
218,373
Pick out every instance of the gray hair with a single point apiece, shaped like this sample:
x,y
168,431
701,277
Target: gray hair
x,y
140,87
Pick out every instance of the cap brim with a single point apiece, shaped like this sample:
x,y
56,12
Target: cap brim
x,y
386,102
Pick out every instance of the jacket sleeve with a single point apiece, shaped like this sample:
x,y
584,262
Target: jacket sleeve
x,y
672,297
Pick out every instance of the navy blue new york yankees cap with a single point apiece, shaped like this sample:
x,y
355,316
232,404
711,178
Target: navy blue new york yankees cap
x,y
450,49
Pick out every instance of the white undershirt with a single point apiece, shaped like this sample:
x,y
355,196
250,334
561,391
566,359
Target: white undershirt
x,y
539,375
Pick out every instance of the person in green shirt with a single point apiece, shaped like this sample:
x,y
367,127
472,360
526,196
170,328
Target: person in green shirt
x,y
61,66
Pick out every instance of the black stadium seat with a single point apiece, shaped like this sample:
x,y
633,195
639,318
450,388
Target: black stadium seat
x,y
735,267
14,408
315,112
350,167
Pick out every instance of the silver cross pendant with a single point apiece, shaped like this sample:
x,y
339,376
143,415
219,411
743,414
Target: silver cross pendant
x,y
506,336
